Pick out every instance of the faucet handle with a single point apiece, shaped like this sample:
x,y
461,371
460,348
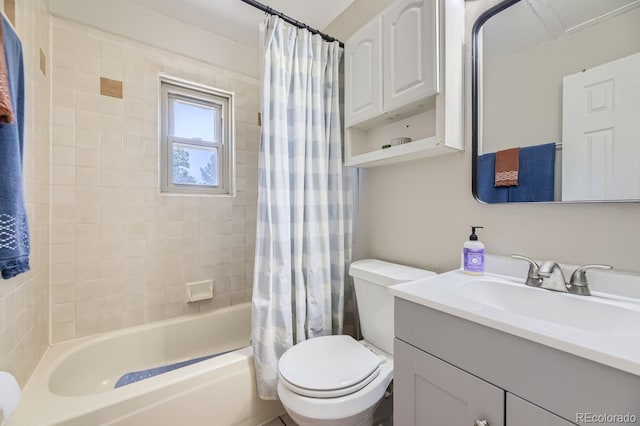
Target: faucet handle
x,y
579,281
533,279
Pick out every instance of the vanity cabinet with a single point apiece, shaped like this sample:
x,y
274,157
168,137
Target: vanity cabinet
x,y
451,371
396,87
429,391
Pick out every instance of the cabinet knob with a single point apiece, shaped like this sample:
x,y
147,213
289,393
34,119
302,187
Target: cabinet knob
x,y
481,423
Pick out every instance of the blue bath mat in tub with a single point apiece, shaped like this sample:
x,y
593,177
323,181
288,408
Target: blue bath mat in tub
x,y
136,376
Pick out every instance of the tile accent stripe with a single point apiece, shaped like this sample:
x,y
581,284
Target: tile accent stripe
x,y
111,88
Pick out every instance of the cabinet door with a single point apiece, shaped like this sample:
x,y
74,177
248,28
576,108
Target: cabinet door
x,y
363,73
430,392
411,52
523,413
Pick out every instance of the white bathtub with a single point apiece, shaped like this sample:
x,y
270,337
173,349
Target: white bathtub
x,y
74,382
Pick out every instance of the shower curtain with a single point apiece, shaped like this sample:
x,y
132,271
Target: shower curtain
x,y
303,242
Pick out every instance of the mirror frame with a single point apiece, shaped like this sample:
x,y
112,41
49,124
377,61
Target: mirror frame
x,y
475,52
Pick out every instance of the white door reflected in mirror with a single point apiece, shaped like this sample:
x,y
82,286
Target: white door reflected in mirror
x,y
601,132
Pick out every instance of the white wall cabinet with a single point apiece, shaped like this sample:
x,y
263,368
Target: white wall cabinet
x,y
410,45
363,77
395,82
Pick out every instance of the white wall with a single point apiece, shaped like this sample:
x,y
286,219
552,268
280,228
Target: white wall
x,y
418,213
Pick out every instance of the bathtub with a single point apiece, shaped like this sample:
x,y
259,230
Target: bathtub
x,y
73,385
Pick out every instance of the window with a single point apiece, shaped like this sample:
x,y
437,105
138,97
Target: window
x,y
196,140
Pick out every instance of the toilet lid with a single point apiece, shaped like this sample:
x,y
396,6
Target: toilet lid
x,y
329,364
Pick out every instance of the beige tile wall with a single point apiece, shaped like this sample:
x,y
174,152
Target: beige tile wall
x,y
24,300
120,251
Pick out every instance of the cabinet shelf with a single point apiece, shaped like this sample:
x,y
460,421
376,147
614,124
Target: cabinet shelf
x,y
427,147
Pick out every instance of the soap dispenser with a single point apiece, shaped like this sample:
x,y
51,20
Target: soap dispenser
x,y
473,254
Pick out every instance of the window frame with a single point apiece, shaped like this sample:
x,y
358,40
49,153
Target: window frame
x,y
173,89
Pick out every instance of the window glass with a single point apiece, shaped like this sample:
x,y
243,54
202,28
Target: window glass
x,y
194,121
195,165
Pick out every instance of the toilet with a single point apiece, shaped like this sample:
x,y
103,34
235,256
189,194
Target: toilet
x,y
337,380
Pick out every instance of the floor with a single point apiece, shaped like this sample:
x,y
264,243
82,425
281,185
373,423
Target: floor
x,y
383,417
283,420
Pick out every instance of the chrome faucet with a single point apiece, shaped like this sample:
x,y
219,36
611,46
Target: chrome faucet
x,y
552,277
549,275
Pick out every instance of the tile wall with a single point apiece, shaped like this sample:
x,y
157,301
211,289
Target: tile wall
x,y
120,251
24,300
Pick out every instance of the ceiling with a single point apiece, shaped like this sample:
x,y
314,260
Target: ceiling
x,y
238,21
231,19
532,22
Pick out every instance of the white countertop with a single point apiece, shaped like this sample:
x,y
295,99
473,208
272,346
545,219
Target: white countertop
x,y
603,328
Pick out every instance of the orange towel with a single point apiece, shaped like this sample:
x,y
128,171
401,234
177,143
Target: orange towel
x,y
6,108
507,166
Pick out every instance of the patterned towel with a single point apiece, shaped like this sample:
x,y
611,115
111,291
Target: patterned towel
x,y
507,166
6,109
14,229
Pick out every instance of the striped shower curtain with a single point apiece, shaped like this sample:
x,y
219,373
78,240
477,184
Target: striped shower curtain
x,y
303,242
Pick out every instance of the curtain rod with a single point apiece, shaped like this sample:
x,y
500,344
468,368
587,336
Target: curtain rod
x,y
292,21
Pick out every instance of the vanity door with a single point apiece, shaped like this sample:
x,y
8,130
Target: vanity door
x,y
429,391
523,413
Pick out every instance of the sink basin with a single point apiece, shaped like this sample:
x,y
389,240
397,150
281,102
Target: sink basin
x,y
581,312
604,328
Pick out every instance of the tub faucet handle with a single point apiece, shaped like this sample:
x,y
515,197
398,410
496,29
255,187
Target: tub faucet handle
x,y
533,278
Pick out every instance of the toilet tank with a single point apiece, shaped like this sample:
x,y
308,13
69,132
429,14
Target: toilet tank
x,y
371,279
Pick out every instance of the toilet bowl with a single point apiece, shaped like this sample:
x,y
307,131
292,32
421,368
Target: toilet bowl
x,y
333,380
336,380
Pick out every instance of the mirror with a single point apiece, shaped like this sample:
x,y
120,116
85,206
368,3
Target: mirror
x,y
556,101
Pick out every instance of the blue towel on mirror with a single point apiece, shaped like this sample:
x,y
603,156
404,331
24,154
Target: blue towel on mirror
x,y
14,228
536,177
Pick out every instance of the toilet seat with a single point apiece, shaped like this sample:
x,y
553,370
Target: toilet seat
x,y
328,367
334,393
